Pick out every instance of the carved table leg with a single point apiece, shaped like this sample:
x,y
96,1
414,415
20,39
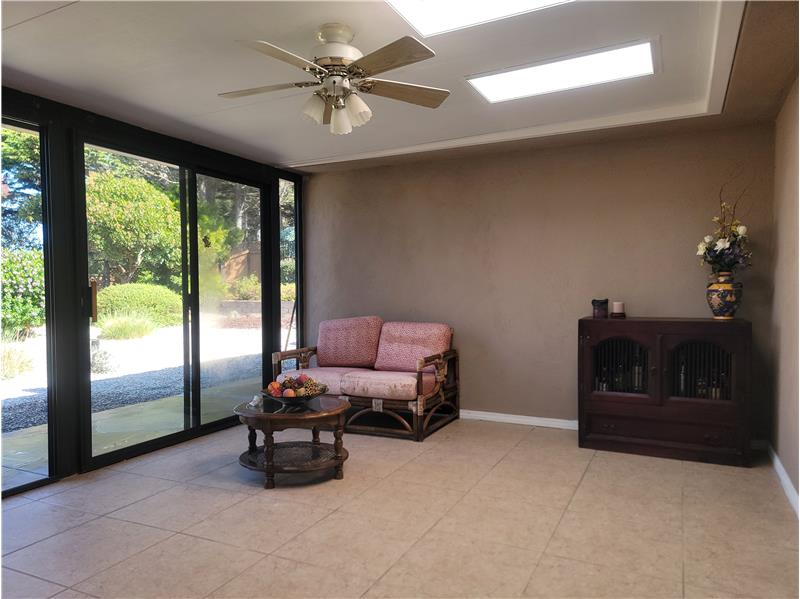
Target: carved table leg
x,y
251,440
337,447
269,459
315,435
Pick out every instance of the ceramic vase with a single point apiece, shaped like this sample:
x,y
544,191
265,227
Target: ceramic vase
x,y
724,296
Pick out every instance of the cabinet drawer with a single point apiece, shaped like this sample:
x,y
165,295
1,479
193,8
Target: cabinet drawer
x,y
674,432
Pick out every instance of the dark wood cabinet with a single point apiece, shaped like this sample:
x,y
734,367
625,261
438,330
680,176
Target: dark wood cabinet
x,y
665,387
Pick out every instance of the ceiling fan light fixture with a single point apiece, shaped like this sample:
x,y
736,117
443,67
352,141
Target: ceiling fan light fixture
x,y
314,108
340,122
357,110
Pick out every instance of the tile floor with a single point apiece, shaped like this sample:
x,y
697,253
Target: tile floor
x,y
478,510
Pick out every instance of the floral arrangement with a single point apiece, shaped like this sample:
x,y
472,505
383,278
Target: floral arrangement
x,y
727,249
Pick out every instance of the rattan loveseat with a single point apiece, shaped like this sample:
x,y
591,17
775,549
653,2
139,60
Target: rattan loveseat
x,y
400,377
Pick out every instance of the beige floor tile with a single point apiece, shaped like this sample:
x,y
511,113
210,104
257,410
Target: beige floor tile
x,y
641,548
17,585
261,523
180,566
78,553
186,465
440,468
402,501
72,594
558,577
693,592
321,489
538,482
354,544
233,477
67,483
777,528
282,578
109,493
179,507
445,565
15,501
643,468
746,569
504,520
380,463
754,490
35,521
550,445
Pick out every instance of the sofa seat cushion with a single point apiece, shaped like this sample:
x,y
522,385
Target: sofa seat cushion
x,y
329,376
403,343
349,341
385,385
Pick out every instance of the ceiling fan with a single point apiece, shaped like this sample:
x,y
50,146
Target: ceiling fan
x,y
341,70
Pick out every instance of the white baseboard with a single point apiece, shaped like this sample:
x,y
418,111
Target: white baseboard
x,y
786,482
571,425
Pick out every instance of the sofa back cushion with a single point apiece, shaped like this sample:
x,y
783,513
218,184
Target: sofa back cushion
x,y
403,343
349,341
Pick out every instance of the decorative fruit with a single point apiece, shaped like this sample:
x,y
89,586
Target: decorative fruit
x,y
274,385
303,378
276,392
300,392
288,393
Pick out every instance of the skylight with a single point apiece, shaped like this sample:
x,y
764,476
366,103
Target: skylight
x,y
572,73
430,18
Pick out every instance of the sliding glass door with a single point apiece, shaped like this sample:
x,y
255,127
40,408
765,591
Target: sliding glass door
x,y
136,257
24,362
229,328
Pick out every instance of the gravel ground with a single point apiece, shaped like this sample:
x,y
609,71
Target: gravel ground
x,y
108,393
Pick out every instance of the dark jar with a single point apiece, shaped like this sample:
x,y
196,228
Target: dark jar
x,y
600,308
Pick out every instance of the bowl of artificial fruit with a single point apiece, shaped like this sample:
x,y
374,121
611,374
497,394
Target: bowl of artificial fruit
x,y
294,390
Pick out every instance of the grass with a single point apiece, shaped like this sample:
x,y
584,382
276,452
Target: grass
x,y
14,361
126,326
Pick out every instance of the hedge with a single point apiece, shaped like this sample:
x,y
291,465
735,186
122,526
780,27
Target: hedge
x,y
159,304
23,290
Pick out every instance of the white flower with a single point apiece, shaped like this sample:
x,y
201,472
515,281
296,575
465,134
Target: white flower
x,y
701,248
741,230
722,244
708,239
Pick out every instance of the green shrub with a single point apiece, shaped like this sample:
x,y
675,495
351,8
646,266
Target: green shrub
x,y
247,288
23,290
288,269
161,306
125,326
288,292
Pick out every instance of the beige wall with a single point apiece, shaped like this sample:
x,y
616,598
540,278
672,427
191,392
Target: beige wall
x,y
784,304
510,249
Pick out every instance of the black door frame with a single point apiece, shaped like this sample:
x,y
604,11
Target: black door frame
x,y
63,131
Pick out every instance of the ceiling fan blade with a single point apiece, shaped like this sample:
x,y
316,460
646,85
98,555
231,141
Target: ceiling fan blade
x,y
399,53
326,116
285,56
241,93
422,95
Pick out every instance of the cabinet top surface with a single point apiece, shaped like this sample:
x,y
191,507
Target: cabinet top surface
x,y
667,319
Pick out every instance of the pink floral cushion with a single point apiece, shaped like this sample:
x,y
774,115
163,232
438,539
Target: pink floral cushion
x,y
403,343
349,341
385,385
330,376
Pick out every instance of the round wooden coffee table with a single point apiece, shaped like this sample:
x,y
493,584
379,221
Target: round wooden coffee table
x,y
324,412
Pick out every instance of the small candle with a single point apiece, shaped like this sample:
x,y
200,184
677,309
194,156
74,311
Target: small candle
x,y
618,307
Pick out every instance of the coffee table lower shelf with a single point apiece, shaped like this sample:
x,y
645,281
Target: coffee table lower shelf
x,y
294,456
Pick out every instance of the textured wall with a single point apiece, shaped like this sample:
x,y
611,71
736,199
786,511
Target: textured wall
x,y
784,306
510,249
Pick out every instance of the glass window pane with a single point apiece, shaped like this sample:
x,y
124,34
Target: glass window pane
x,y
229,286
133,226
23,385
288,264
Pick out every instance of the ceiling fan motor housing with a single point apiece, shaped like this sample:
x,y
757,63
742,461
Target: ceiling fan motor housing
x,y
335,49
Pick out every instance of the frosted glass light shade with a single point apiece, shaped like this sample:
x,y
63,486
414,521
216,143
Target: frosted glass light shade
x,y
357,110
340,122
314,108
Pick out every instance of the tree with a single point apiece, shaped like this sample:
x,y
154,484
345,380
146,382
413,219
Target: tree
x,y
22,184
132,226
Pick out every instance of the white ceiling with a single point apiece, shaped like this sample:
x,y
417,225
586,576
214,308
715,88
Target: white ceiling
x,y
160,65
